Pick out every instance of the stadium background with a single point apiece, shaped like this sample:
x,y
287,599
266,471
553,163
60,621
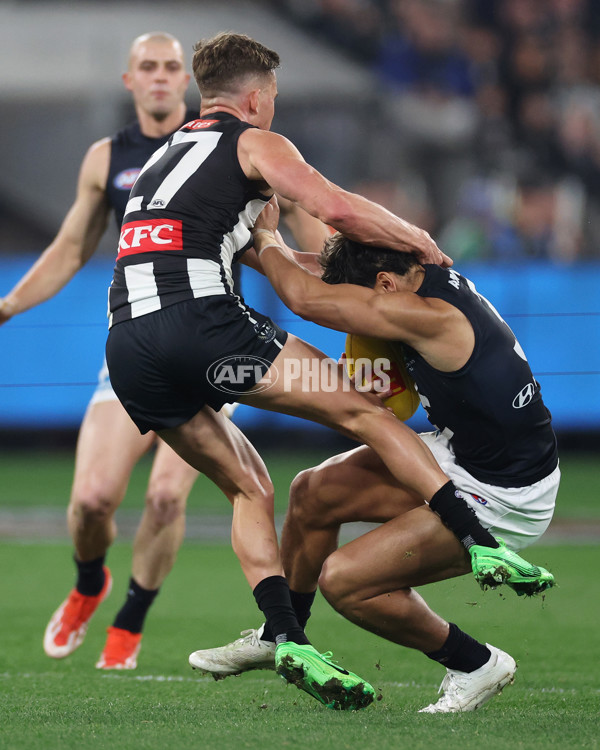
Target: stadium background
x,y
476,119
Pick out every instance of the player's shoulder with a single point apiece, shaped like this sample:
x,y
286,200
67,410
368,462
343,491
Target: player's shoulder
x,y
100,146
258,147
96,161
263,138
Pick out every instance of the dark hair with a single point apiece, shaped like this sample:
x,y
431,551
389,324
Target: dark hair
x,y
219,63
347,262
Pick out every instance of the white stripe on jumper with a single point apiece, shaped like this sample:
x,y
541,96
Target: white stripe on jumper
x,y
142,292
239,235
205,277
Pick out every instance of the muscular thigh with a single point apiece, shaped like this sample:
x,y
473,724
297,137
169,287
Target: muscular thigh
x,y
212,444
355,486
304,382
108,447
411,550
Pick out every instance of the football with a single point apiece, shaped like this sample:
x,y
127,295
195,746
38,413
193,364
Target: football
x,y
404,399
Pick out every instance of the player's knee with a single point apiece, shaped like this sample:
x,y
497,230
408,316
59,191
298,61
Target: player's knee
x,y
164,504
361,423
336,583
313,499
299,508
94,503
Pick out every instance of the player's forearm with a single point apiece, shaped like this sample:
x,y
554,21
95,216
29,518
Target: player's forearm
x,y
369,223
308,261
293,284
48,275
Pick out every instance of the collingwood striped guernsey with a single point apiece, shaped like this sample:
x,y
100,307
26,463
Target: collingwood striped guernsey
x,y
179,244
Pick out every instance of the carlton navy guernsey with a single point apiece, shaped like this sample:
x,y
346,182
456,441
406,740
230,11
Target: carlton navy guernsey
x,y
130,149
491,410
188,219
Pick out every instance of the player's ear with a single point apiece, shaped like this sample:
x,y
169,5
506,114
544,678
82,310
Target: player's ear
x,y
126,78
253,100
385,282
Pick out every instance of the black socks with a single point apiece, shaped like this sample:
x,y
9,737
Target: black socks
x,y
460,518
461,652
301,603
132,614
272,595
90,576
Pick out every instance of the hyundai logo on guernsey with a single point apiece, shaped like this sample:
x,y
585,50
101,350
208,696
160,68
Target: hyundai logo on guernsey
x,y
150,236
125,179
524,396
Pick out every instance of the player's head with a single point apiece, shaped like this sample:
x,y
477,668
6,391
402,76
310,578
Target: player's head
x,y
347,262
156,74
234,67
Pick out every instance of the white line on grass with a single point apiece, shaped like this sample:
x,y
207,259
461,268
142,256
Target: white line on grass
x,y
122,676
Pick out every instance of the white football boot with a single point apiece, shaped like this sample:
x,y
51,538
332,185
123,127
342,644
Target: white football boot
x,y
467,691
245,653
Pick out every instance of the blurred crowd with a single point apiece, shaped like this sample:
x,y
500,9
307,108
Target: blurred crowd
x,y
492,112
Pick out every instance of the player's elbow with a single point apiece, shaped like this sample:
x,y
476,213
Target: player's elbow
x,y
296,300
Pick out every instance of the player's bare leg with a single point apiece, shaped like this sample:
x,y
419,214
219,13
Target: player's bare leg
x,y
213,445
371,582
354,414
405,456
162,526
108,447
349,487
157,541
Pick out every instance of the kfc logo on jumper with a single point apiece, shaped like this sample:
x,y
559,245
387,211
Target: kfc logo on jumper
x,y
151,236
199,124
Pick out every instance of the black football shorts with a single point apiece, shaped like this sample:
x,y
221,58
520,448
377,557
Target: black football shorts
x,y
166,365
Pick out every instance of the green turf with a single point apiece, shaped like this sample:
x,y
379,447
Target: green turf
x,y
44,480
65,704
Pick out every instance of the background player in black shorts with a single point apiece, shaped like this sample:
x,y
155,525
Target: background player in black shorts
x,y
174,314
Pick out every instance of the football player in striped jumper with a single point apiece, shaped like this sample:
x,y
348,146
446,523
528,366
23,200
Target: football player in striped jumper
x,y
182,342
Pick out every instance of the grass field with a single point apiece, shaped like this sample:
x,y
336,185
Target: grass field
x,y
43,479
50,704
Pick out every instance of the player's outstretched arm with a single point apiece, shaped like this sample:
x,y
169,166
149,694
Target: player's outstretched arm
x,y
75,242
342,307
271,157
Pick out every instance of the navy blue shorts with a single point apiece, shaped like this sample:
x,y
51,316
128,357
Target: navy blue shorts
x,y
167,365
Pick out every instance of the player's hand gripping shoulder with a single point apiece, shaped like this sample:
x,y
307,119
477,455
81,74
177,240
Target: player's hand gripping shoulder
x,y
264,230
